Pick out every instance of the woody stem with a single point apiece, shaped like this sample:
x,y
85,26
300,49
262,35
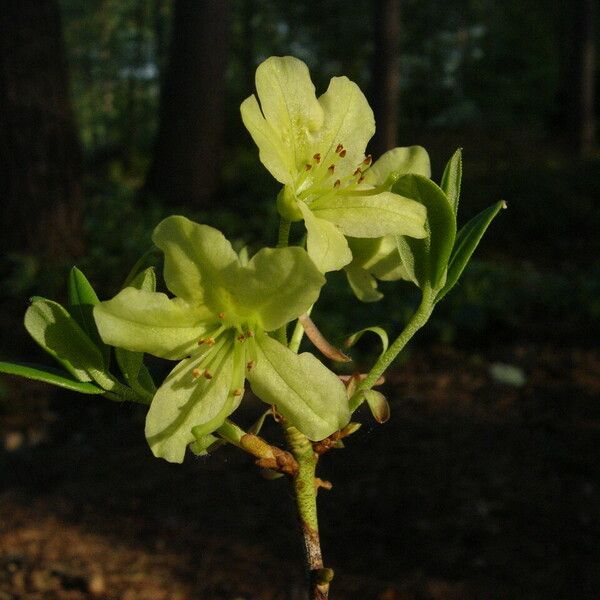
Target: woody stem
x,y
306,503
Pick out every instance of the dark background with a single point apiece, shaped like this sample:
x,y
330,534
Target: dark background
x,y
485,483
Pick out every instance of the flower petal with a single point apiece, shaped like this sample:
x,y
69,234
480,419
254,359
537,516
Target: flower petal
x,y
304,391
194,255
413,159
151,322
373,216
276,286
325,243
363,284
291,111
185,402
273,153
348,121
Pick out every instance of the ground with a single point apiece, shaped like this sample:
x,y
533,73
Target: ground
x,y
477,488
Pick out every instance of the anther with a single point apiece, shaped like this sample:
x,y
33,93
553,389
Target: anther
x,y
368,159
361,179
358,171
237,392
196,373
331,169
208,374
342,153
337,184
209,341
250,364
221,315
317,157
241,338
307,167
249,334
339,148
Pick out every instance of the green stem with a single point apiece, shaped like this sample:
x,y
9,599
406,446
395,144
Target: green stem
x,y
284,233
116,389
419,318
305,489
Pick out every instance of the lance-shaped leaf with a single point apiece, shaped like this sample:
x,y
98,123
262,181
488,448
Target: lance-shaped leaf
x,y
49,375
379,331
51,326
426,260
304,391
467,240
82,299
451,179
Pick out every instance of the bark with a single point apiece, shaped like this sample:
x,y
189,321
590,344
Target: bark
x,y
386,74
576,97
189,144
40,157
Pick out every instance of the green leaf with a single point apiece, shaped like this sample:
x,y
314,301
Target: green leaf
x,y
49,375
372,216
151,322
51,326
326,244
186,408
426,259
383,336
467,240
276,286
304,391
451,179
399,161
82,299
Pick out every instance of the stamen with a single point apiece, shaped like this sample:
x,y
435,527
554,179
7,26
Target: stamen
x,y
249,334
250,364
368,160
241,338
208,374
331,169
238,392
337,183
317,157
358,171
339,148
342,153
361,179
221,315
196,373
307,167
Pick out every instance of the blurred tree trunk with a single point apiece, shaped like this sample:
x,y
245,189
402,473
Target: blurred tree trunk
x,y
189,143
40,157
577,91
385,88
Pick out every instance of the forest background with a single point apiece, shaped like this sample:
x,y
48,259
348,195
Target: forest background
x,y
114,114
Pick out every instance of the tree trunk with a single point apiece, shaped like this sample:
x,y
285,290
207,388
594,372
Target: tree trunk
x,y
189,144
576,96
385,87
40,156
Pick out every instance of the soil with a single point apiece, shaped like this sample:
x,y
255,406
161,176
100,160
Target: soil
x,y
479,487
